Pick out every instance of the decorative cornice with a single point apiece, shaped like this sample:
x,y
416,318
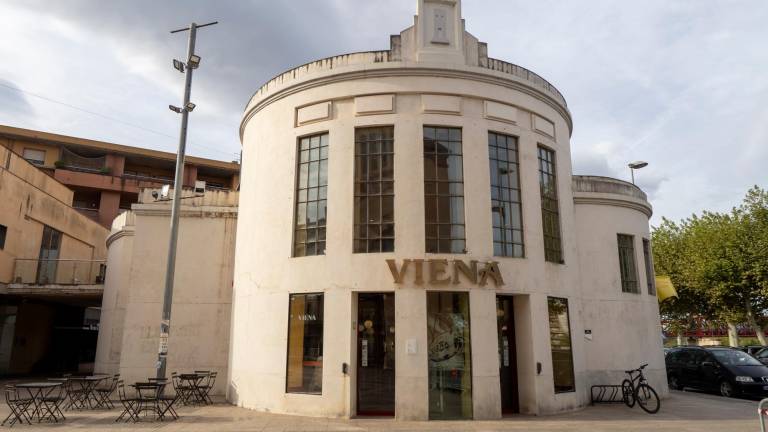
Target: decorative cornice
x,y
125,232
227,213
401,71
646,209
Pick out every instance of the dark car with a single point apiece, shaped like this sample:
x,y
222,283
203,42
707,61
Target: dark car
x,y
762,356
726,370
751,349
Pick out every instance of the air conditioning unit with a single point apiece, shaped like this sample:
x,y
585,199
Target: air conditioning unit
x,y
199,187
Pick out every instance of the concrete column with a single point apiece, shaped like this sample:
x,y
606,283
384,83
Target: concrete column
x,y
411,380
116,164
109,206
190,175
486,392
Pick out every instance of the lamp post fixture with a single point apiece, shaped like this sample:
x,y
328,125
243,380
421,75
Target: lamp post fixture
x,y
192,63
636,165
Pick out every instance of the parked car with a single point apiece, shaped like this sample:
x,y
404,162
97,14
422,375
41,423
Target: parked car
x,y
762,356
729,371
751,349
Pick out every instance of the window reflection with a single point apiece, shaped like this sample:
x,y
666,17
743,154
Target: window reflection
x,y
311,196
550,213
450,365
506,209
374,190
444,190
560,341
305,344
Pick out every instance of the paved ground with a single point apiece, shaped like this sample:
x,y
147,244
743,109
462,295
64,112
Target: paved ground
x,y
681,412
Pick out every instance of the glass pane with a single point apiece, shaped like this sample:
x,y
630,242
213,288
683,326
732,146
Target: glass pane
x,y
448,350
305,344
560,340
388,209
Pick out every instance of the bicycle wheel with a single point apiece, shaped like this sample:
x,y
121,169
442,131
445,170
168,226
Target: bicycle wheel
x,y
647,399
627,392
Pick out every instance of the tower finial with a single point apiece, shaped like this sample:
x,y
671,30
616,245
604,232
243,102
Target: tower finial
x,y
440,31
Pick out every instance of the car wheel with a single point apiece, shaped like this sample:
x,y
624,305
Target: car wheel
x,y
674,384
726,389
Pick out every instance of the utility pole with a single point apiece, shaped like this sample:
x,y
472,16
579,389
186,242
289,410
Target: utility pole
x,y
192,63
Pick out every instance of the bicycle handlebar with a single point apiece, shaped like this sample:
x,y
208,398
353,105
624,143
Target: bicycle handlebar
x,y
638,369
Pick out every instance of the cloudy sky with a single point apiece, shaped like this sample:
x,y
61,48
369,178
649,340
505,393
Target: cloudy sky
x,y
681,84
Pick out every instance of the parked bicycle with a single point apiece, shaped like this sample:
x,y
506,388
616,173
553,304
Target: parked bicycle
x,y
637,390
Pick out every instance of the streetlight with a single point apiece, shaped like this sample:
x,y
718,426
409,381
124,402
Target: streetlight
x,y
193,61
636,165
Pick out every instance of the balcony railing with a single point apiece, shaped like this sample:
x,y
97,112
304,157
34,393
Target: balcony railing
x,y
30,271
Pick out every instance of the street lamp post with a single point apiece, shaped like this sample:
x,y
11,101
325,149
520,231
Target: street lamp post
x,y
192,63
636,165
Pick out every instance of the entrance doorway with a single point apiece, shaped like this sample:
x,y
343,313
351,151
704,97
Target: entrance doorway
x,y
505,319
376,354
450,364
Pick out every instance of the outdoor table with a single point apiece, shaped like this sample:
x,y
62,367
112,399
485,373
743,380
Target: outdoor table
x,y
147,395
79,400
193,380
39,391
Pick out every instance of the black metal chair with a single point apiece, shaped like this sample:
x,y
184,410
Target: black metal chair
x,y
129,404
19,406
165,400
103,394
207,387
182,390
76,393
52,401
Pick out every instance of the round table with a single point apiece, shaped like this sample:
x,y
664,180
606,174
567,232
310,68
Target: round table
x,y
39,391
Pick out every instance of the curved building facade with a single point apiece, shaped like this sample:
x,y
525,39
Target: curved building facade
x,y
412,242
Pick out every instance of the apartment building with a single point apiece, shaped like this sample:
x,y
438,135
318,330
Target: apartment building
x,y
106,177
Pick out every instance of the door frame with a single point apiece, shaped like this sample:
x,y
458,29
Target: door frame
x,y
356,355
514,363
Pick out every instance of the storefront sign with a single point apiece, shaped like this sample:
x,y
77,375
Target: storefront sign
x,y
443,272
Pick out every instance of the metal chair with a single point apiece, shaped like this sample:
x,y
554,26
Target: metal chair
x,y
52,401
129,404
166,401
104,394
182,390
19,406
208,386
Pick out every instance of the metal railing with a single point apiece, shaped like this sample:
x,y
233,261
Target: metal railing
x,y
32,271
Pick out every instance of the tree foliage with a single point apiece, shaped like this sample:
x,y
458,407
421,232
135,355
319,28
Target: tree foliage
x,y
718,263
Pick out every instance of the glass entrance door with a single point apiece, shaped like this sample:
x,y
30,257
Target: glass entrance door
x,y
376,354
450,365
505,319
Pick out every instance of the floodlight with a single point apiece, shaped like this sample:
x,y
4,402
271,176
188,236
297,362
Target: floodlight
x,y
175,109
178,65
638,165
190,107
194,61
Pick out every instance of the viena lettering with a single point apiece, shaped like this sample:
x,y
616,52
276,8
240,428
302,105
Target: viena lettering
x,y
307,317
444,272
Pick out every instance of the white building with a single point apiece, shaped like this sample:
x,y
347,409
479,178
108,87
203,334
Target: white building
x,y
411,241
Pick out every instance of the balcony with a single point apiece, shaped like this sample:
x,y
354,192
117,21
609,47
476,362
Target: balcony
x,y
57,277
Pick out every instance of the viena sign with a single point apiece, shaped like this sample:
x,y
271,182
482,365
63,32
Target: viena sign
x,y
444,272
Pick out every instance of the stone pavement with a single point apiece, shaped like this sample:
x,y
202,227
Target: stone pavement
x,y
681,412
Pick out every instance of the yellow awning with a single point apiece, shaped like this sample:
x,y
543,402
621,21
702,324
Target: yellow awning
x,y
664,288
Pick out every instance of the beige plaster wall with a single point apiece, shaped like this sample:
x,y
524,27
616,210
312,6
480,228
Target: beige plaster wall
x,y
626,329
200,322
265,272
29,200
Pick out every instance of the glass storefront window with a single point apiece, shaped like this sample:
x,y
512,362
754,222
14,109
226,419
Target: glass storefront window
x,y
560,340
305,344
450,365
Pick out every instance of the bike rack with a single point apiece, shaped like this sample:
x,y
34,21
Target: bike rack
x,y
762,413
606,393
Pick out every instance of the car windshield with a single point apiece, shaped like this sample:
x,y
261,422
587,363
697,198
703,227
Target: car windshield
x,y
762,353
735,358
